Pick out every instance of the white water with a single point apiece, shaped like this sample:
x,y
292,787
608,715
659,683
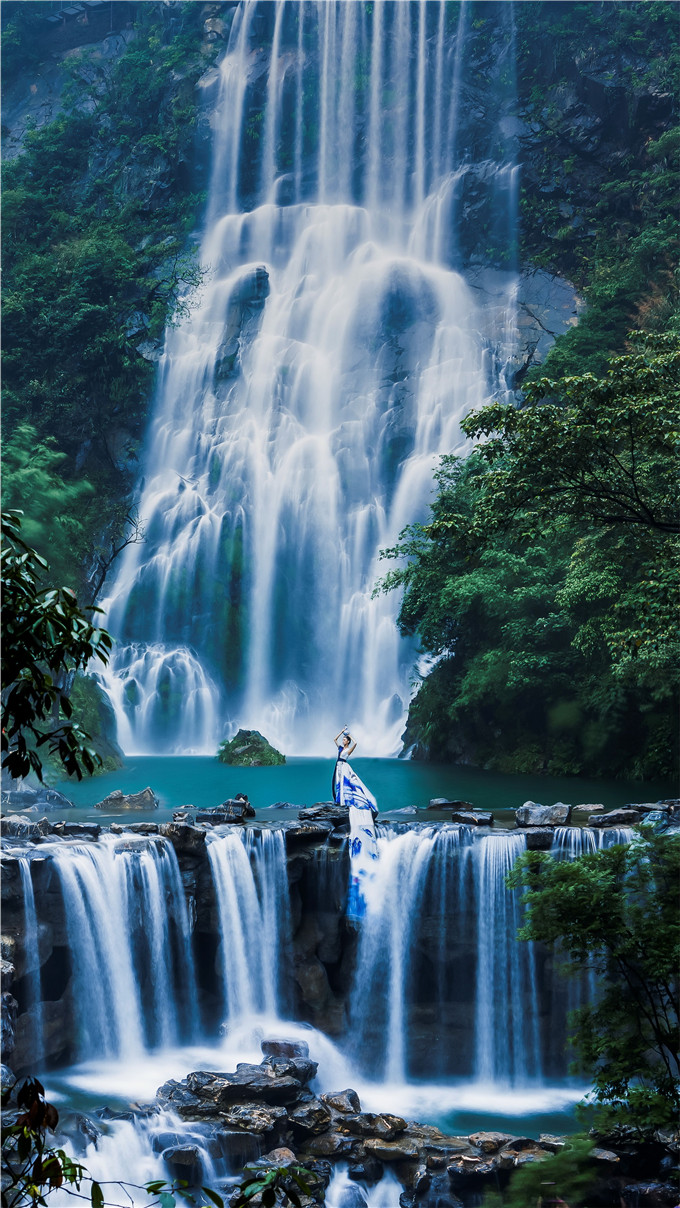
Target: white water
x,y
301,409
251,886
128,933
31,960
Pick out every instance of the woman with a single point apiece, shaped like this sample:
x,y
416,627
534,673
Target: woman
x,y
349,790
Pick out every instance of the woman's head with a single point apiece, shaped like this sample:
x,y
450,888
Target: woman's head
x,y
346,739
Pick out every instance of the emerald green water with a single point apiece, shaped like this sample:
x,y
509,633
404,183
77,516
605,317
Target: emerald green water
x,y
202,782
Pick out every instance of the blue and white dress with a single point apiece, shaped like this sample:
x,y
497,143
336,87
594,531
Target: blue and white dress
x,y
349,790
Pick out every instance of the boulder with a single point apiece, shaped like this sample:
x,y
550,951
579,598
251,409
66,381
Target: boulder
x,y
366,1168
325,811
329,1145
77,830
552,1143
118,800
184,838
443,803
624,817
15,827
586,809
285,1048
137,828
41,798
310,1119
491,1142
233,810
473,817
392,1151
249,749
532,814
368,1124
540,838
258,1118
307,832
184,1159
281,1156
343,1101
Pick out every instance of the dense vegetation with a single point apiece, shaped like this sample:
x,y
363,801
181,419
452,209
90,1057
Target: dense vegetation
x,y
546,580
96,213
47,639
613,913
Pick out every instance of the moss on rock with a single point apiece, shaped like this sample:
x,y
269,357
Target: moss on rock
x,y
249,749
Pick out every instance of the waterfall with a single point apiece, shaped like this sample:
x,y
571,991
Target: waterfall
x,y
507,1038
301,408
133,982
31,960
437,892
573,841
251,887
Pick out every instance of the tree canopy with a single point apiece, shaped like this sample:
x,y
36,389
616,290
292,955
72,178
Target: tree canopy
x,y
614,913
47,638
545,582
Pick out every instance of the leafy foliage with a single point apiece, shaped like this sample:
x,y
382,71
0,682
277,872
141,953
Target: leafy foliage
x,y
47,638
273,1185
97,209
569,1173
614,913
31,1170
545,581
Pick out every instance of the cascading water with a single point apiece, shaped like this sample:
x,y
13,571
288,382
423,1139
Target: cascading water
x,y
573,841
436,891
134,986
31,960
251,887
301,408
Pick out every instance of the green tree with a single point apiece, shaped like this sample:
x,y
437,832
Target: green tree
x,y
46,639
545,581
614,913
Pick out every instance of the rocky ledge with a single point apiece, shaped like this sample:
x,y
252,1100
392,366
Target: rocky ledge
x,y
279,1117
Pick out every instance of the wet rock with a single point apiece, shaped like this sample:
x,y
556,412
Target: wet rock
x,y
7,1078
491,1142
552,1143
531,814
137,828
586,809
183,1158
473,817
329,1145
274,1081
367,1124
285,1048
605,1155
337,815
118,800
307,832
443,803
310,1119
42,799
391,1151
77,830
627,817
540,838
342,1101
255,1117
232,810
366,1168
15,827
184,838
184,815
282,1156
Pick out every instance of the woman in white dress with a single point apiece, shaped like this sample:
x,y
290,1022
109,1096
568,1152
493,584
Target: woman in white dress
x,y
350,790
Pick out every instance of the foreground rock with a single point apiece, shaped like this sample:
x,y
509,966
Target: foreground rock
x,y
235,809
627,817
532,814
118,800
249,749
473,817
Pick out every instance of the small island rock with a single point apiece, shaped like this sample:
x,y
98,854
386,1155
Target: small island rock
x,y
249,749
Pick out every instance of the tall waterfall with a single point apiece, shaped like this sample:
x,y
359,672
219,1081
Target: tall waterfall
x,y
31,959
333,350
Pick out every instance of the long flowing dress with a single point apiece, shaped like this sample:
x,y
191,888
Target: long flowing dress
x,y
350,790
